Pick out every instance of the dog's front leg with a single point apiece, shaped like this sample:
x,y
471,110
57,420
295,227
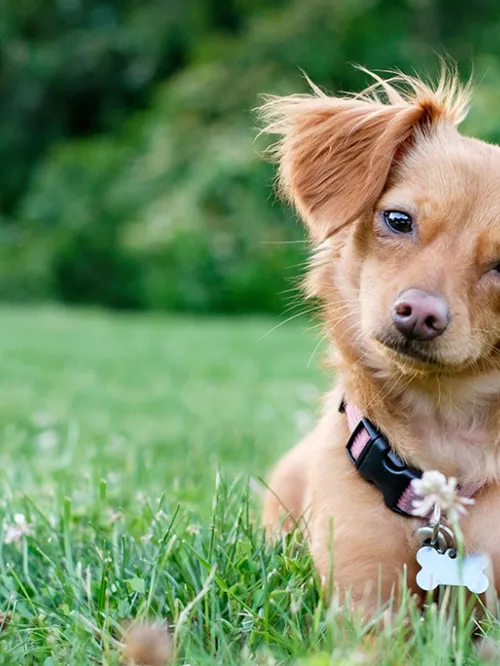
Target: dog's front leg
x,y
358,544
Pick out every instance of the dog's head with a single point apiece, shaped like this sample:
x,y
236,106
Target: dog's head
x,y
406,213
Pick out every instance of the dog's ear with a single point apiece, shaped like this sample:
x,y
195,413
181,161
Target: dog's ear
x,y
335,153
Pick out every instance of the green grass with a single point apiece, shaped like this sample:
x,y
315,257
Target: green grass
x,y
128,443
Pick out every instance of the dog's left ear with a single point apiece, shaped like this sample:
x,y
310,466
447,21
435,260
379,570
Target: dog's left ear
x,y
335,154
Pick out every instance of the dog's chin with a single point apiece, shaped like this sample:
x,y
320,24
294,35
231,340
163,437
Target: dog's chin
x,y
412,356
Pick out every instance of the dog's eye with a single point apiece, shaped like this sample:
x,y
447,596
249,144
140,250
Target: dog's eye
x,y
399,222
493,272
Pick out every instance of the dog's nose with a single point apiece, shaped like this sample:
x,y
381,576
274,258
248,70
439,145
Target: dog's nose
x,y
420,315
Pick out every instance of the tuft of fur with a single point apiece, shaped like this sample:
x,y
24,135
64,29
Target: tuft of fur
x,y
448,99
322,152
147,644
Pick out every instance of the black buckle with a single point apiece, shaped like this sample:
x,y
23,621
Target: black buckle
x,y
380,465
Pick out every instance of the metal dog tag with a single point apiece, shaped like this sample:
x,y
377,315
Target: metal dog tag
x,y
445,568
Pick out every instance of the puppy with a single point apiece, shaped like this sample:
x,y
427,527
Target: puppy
x,y
404,215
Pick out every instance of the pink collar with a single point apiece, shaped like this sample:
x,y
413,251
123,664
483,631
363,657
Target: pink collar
x,y
377,462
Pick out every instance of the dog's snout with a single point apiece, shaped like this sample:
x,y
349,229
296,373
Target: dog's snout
x,y
421,315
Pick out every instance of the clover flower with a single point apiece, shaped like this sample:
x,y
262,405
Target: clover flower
x,y
434,490
20,528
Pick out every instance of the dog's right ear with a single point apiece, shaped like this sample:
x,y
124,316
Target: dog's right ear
x,y
335,154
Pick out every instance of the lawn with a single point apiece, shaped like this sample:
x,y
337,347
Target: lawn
x,y
133,446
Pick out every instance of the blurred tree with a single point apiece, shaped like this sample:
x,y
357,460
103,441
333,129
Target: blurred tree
x,y
78,67
133,175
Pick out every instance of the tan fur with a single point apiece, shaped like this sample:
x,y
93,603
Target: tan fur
x,y
341,162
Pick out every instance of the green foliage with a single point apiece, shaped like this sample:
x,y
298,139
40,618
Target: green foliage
x,y
135,176
76,67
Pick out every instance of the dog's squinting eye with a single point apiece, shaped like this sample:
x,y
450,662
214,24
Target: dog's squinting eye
x,y
494,272
397,221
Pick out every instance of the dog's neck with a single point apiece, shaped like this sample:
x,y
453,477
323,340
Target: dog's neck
x,y
435,422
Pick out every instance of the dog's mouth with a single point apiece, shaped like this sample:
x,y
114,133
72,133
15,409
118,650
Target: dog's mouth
x,y
419,353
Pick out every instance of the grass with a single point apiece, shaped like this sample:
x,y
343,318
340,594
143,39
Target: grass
x,y
128,443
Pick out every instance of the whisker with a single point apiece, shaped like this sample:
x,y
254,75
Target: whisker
x,y
305,241
281,323
322,339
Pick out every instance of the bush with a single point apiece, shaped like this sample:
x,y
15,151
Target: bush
x,y
137,222
90,268
174,208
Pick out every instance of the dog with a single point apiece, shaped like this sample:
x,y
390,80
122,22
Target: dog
x,y
403,213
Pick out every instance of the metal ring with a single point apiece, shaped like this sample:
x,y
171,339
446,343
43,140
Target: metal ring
x,y
435,523
425,536
442,541
449,536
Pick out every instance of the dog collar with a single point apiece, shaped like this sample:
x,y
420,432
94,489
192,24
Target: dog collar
x,y
377,462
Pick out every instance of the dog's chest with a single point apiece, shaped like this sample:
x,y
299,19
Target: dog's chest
x,y
468,451
457,433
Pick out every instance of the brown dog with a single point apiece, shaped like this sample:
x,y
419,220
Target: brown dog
x,y
404,213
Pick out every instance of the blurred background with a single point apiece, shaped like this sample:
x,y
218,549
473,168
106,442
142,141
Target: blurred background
x,y
131,176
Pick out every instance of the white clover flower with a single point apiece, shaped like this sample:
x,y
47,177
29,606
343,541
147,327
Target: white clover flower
x,y
295,605
47,440
20,528
436,490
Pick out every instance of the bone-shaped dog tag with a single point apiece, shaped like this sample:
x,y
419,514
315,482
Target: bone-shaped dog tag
x,y
446,569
